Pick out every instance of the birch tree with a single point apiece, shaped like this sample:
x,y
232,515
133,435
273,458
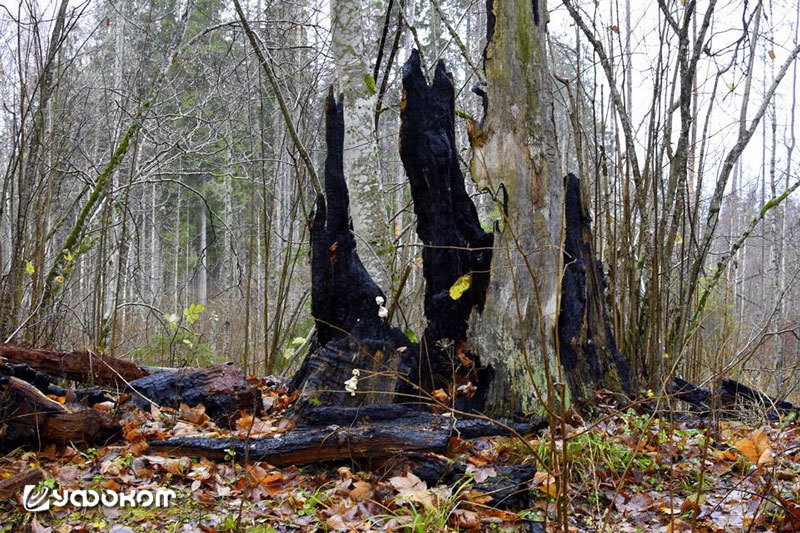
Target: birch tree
x,y
361,165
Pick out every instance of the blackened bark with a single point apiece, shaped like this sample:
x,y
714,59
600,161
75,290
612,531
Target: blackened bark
x,y
348,433
730,399
509,487
222,389
588,350
455,245
351,334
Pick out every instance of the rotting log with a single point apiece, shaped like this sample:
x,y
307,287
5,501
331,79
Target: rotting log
x,y
9,486
314,444
587,346
352,331
82,366
375,433
456,248
29,417
43,382
466,428
222,389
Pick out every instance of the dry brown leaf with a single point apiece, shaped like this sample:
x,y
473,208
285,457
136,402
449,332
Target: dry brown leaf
x,y
36,527
546,483
465,519
195,415
361,491
336,522
104,406
110,484
440,396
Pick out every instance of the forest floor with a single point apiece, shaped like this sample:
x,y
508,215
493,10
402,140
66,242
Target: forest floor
x,y
626,472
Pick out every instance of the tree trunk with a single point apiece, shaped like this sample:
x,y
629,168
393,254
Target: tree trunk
x,y
515,160
361,164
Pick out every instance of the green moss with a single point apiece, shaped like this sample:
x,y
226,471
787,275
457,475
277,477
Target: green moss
x,y
523,31
369,81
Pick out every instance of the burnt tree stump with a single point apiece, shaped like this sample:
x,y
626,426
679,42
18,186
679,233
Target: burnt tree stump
x,y
456,248
346,302
587,346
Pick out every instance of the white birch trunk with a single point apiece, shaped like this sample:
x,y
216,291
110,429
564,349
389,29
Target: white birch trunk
x,y
361,169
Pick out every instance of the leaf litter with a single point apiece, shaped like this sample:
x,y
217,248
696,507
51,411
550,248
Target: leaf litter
x,y
626,472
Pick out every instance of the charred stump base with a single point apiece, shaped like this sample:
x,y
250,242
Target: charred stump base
x,y
587,346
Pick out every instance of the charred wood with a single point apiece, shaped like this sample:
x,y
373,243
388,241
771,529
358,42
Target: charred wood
x,y
587,346
222,389
348,306
455,245
508,486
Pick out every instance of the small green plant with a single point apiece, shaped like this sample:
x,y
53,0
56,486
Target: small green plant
x,y
181,343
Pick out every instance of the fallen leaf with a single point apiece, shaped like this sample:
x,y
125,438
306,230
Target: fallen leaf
x,y
336,522
465,519
756,448
361,491
546,483
195,415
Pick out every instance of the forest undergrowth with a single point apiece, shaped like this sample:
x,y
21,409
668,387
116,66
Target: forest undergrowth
x,y
622,470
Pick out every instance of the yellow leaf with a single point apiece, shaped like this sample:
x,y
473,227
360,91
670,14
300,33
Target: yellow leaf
x,y
748,449
460,286
771,54
547,483
756,448
30,270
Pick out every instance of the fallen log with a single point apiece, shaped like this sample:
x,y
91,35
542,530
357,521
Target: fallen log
x,y
374,431
466,428
9,486
82,366
314,444
728,399
222,389
29,417
43,382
